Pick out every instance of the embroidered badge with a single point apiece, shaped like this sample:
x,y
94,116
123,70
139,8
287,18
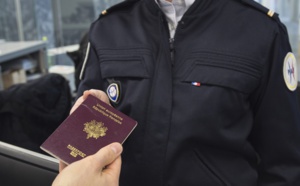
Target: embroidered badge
x,y
290,73
113,92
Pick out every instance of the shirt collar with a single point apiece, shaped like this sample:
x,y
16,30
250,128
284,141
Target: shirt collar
x,y
188,3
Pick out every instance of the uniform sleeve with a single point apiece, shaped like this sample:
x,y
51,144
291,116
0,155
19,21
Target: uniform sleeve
x,y
90,73
276,132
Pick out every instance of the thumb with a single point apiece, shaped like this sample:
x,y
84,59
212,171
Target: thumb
x,y
108,154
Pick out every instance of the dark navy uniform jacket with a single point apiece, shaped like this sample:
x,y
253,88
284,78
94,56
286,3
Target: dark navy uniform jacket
x,y
213,108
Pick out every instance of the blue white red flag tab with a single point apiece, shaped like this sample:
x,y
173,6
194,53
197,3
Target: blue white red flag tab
x,y
197,84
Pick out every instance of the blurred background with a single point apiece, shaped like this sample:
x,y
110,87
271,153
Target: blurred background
x,y
61,22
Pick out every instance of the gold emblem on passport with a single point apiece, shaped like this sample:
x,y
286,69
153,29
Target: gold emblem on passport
x,y
95,129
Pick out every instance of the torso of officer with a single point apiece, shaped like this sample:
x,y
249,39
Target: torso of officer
x,y
193,97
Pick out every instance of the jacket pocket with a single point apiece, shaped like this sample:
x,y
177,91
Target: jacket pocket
x,y
224,71
132,63
131,71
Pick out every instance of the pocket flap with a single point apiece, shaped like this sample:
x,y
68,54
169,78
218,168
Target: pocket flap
x,y
222,76
124,68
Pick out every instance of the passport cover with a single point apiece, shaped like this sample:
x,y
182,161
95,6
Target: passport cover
x,y
93,125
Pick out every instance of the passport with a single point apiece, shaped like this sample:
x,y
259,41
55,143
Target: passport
x,y
93,125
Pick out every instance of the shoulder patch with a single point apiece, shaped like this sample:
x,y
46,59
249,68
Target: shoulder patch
x,y
290,73
260,8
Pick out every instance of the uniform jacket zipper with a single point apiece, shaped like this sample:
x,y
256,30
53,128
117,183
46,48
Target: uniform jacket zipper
x,y
172,50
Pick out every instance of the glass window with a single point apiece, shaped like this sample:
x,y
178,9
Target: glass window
x,y
60,22
73,18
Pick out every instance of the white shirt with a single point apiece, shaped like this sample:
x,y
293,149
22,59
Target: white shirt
x,y
174,11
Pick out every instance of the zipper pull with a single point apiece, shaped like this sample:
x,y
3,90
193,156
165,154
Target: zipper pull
x,y
172,50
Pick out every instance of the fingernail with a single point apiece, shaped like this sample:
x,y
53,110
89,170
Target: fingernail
x,y
116,147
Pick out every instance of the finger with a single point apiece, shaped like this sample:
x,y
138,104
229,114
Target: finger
x,y
97,93
107,155
62,165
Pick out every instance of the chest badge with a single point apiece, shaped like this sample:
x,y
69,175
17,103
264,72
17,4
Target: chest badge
x,y
113,92
290,73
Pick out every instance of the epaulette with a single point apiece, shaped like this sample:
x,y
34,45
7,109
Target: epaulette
x,y
273,15
118,6
261,8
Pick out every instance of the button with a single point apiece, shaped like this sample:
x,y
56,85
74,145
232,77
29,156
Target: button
x,y
182,24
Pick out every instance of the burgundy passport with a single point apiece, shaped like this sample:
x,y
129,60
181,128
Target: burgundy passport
x,y
93,125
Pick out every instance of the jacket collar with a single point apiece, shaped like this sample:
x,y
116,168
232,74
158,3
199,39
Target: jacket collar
x,y
154,8
188,3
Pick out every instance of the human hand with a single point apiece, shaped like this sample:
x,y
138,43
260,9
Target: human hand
x,y
98,94
101,169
